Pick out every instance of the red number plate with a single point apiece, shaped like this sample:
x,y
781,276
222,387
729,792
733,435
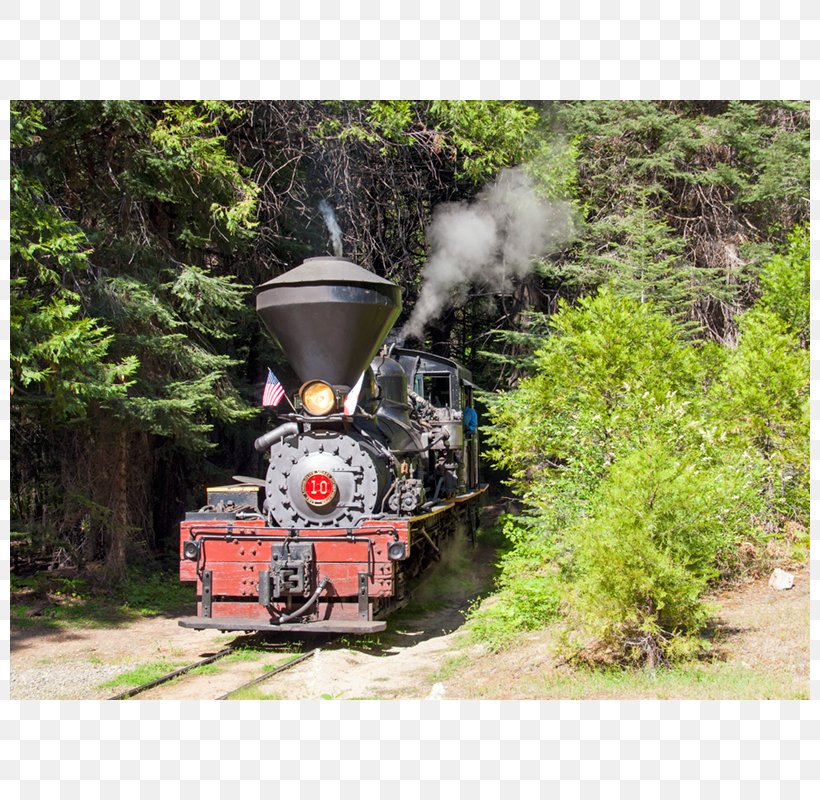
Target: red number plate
x,y
319,488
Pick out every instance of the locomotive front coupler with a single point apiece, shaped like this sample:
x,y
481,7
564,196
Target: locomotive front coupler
x,y
292,572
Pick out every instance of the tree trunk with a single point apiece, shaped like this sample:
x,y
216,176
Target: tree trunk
x,y
115,560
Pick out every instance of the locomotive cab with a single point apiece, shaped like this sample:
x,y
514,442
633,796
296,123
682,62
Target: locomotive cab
x,y
447,387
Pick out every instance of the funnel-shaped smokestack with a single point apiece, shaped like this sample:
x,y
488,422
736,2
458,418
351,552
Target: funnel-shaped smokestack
x,y
329,316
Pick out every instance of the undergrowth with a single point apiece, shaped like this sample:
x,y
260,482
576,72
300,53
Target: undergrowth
x,y
49,600
144,673
526,596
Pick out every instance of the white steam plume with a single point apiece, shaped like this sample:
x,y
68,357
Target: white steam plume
x,y
332,226
487,241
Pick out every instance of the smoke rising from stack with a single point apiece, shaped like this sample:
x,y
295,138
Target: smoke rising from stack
x,y
332,226
487,241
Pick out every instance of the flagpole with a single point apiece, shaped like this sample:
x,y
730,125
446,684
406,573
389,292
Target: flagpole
x,y
278,390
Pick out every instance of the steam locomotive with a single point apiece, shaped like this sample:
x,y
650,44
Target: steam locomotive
x,y
359,497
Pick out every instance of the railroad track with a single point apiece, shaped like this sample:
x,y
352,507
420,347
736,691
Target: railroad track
x,y
132,692
169,676
177,673
270,673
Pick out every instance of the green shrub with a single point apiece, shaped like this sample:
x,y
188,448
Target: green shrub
x,y
761,407
611,368
653,469
786,283
528,595
642,561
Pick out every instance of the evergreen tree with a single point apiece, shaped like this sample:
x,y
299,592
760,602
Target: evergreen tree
x,y
786,284
157,208
641,458
716,174
643,559
761,404
59,358
644,260
612,370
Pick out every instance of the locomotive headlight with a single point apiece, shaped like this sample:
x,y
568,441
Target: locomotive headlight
x,y
396,551
190,550
318,398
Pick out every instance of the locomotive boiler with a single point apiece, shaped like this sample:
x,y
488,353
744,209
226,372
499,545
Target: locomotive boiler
x,y
372,472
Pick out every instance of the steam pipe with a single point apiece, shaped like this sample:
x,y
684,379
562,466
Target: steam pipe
x,y
310,601
271,437
439,484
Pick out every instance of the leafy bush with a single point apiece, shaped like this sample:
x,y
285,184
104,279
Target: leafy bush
x,y
610,368
786,283
761,405
653,468
642,560
528,595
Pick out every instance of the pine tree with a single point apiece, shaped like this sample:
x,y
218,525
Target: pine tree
x,y
761,404
786,284
60,360
716,177
157,209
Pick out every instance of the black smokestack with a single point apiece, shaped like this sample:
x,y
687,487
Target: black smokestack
x,y
329,316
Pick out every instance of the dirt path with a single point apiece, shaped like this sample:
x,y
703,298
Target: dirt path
x,y
425,653
403,663
761,628
761,648
73,663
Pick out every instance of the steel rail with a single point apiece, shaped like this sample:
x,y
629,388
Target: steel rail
x,y
144,687
281,668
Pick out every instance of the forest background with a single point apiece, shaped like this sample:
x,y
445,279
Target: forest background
x,y
646,374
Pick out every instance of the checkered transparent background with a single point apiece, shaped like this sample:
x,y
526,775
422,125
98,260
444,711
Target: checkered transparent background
x,y
412,48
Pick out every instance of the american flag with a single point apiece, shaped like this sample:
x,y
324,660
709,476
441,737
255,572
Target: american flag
x,y
274,392
353,398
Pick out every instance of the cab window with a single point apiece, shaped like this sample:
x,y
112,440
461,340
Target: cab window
x,y
437,389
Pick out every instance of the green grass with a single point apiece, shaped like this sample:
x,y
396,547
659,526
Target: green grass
x,y
696,680
76,602
450,667
492,536
368,641
155,593
245,654
20,620
66,612
143,673
275,665
689,681
254,693
796,542
205,669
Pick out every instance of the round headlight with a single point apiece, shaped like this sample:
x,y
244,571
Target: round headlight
x,y
396,551
318,398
